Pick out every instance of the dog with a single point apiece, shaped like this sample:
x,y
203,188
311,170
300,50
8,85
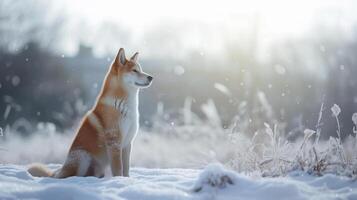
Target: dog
x,y
107,131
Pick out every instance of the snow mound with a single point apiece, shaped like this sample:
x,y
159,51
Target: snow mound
x,y
214,176
214,182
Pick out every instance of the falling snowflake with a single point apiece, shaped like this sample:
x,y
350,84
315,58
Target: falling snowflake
x,y
15,80
179,70
335,110
354,118
222,88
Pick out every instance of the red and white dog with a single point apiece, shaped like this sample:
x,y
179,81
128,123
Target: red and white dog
x,y
106,132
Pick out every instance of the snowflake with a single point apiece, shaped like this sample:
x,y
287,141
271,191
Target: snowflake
x,y
354,118
335,110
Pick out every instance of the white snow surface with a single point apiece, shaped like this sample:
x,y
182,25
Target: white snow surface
x,y
213,182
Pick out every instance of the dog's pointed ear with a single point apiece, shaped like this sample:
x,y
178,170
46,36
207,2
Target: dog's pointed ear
x,y
135,57
120,59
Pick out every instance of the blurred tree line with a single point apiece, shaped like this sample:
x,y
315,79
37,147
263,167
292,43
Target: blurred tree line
x,y
36,86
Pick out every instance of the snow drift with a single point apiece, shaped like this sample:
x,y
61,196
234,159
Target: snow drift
x,y
213,182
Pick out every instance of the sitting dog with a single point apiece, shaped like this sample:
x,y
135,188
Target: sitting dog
x,y
107,131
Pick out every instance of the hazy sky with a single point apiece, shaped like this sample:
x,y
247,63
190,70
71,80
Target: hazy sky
x,y
202,25
278,15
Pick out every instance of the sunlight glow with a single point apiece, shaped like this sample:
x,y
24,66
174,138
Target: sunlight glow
x,y
203,25
277,16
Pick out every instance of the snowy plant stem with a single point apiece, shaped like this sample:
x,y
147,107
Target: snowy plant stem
x,y
318,125
355,130
342,153
338,129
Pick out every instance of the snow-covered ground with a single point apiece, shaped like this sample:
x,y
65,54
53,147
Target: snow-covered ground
x,y
268,152
213,182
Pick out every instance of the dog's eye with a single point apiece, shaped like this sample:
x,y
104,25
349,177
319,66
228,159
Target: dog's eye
x,y
136,71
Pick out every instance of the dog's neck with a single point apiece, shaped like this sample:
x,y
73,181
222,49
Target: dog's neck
x,y
120,102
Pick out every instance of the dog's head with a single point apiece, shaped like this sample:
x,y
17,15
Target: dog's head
x,y
130,72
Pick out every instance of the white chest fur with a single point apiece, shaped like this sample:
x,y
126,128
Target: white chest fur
x,y
128,121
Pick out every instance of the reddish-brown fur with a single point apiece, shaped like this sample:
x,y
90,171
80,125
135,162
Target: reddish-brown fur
x,y
89,137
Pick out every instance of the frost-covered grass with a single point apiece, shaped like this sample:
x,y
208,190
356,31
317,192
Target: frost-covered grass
x,y
188,141
182,139
213,182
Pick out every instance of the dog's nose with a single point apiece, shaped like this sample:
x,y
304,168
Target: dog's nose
x,y
150,78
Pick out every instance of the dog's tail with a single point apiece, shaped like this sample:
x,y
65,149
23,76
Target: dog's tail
x,y
39,170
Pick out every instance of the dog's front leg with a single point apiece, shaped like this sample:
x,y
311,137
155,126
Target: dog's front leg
x,y
114,152
116,164
126,160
